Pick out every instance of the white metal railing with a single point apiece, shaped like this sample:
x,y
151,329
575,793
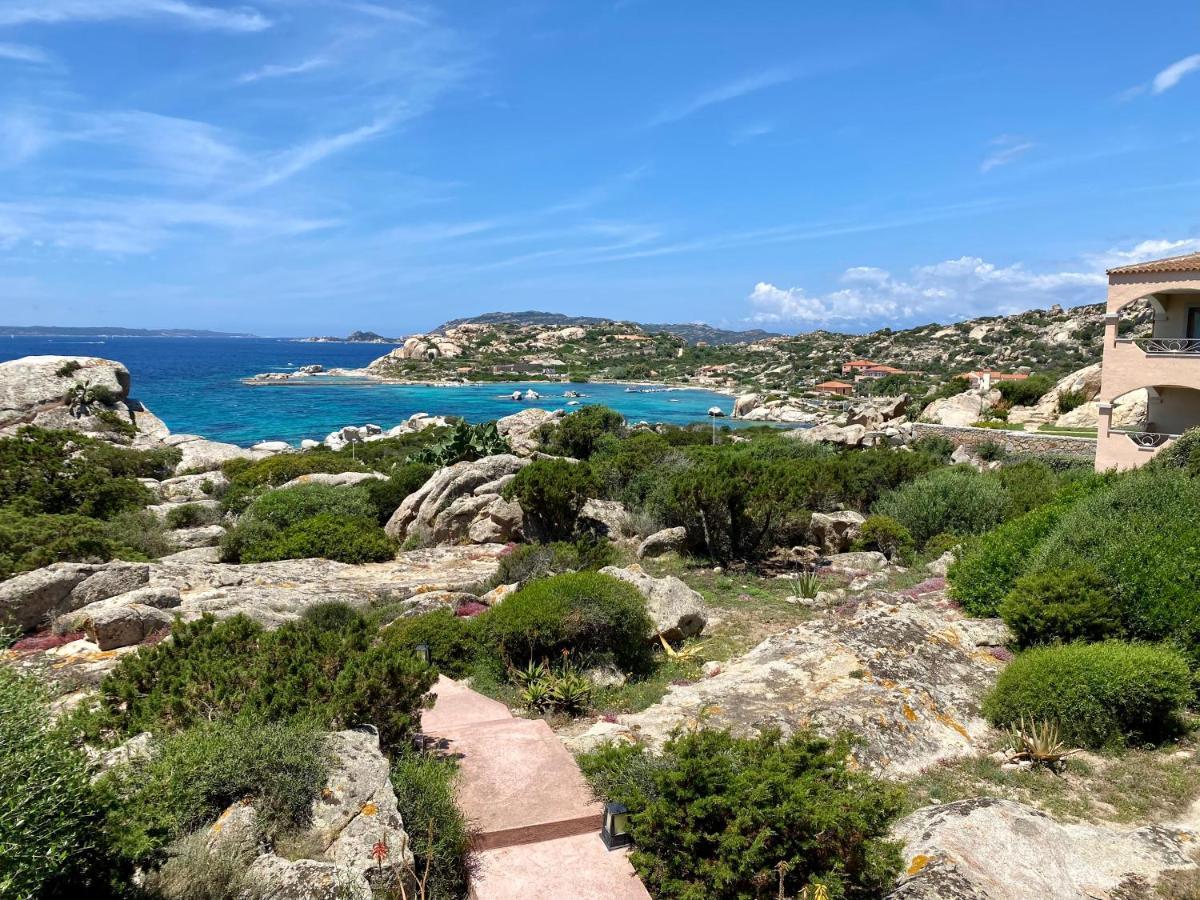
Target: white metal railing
x,y
1146,439
1172,346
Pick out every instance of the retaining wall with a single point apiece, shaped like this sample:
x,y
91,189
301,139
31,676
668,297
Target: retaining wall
x,y
1034,442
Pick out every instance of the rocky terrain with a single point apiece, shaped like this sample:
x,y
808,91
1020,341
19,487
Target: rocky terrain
x,y
901,669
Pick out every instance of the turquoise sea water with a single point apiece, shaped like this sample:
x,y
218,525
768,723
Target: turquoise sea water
x,y
194,385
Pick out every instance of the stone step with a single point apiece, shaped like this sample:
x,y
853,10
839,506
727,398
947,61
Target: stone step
x,y
579,867
519,784
458,705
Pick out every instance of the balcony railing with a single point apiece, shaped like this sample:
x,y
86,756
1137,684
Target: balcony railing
x,y
1146,439
1172,346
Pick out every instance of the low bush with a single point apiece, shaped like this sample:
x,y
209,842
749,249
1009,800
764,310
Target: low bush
x,y
1183,454
387,495
956,500
1025,392
195,774
581,433
885,534
526,562
551,493
249,479
438,833
452,640
1142,532
720,816
192,515
1070,400
329,668
1052,607
31,541
348,539
49,814
592,616
140,534
1101,695
310,520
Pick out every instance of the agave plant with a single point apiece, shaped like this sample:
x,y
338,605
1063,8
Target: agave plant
x,y
537,696
532,673
1037,742
570,691
806,585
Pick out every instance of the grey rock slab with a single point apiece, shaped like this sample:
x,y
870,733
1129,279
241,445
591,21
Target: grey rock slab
x,y
676,610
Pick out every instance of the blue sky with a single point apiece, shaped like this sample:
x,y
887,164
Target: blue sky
x,y
316,166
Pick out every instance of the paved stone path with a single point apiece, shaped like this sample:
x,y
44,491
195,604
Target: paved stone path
x,y
537,824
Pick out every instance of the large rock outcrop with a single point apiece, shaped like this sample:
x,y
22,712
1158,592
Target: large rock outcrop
x,y
457,499
32,599
62,392
676,610
200,455
522,430
904,673
990,849
960,410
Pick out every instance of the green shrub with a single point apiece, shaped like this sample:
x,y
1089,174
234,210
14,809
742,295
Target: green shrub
x,y
886,535
551,493
49,814
1101,695
29,542
990,451
1070,400
525,562
194,870
1025,392
280,509
1074,604
936,446
139,534
452,640
438,833
585,613
387,495
249,479
581,433
329,669
348,539
67,369
1143,534
1030,483
957,500
191,515
1183,454
195,774
719,816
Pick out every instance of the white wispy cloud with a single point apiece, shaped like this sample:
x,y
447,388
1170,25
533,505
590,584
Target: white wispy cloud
x,y
295,160
1154,248
246,19
1006,149
732,90
946,291
275,70
23,136
25,53
1174,73
751,132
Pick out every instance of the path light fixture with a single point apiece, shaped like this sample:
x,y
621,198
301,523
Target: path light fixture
x,y
615,831
423,653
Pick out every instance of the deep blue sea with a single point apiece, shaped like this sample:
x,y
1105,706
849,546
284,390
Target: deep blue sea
x,y
194,385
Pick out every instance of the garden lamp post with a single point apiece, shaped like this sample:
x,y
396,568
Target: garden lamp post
x,y
423,653
615,830
714,413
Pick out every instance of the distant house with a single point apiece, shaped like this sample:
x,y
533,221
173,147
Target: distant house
x,y
988,377
877,371
835,387
856,365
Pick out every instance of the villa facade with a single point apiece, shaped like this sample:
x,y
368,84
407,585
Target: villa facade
x,y
1166,363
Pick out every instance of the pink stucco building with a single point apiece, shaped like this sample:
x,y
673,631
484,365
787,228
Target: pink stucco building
x,y
1166,364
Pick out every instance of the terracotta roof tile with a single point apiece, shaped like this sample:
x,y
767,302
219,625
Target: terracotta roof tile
x,y
1189,262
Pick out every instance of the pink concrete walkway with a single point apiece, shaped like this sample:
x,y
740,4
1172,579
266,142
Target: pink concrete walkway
x,y
538,828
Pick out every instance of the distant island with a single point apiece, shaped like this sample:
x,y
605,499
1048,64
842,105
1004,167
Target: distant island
x,y
112,331
354,337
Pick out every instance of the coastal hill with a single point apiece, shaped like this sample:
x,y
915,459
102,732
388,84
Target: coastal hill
x,y
692,332
1054,341
113,331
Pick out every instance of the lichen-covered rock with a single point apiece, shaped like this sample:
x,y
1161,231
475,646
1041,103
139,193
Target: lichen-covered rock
x,y
669,540
606,517
990,849
834,532
200,455
356,810
159,596
333,479
31,599
961,409
443,509
522,429
499,522
194,488
32,392
200,536
125,624
858,562
676,610
900,673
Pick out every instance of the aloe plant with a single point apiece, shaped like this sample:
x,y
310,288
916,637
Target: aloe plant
x,y
1037,742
